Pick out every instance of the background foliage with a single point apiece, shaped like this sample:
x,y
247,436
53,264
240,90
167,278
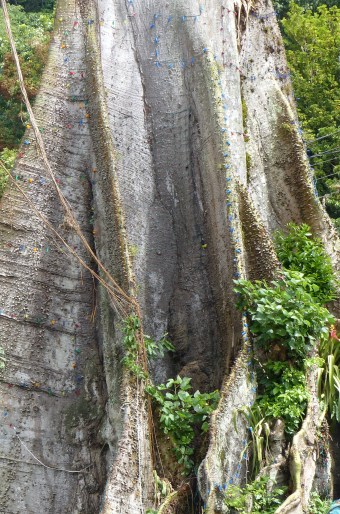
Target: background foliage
x,y
31,32
34,5
311,32
282,6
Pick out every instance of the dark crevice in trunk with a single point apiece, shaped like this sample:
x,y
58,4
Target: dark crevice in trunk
x,y
181,235
335,453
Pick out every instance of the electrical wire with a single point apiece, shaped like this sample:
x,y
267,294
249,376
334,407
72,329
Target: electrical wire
x,y
327,176
329,194
334,150
322,137
324,162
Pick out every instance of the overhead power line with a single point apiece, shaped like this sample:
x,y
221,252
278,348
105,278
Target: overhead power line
x,y
335,150
321,163
324,178
322,137
329,194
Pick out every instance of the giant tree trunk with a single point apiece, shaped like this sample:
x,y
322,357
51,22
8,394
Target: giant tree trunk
x,y
141,112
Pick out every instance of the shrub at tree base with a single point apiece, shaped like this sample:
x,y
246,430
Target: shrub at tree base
x,y
284,394
289,324
299,250
259,497
285,312
182,414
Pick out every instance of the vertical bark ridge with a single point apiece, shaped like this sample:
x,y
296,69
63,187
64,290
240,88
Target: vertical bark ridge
x,y
141,103
51,389
129,484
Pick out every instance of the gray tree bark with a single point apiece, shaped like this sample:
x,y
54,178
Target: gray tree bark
x,y
141,114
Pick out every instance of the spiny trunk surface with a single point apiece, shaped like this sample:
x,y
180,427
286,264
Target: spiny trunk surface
x,y
143,115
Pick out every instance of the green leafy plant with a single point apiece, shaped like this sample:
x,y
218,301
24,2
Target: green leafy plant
x,y
317,505
7,158
283,394
130,328
259,436
329,377
257,497
299,250
162,489
156,349
181,413
237,498
284,311
153,349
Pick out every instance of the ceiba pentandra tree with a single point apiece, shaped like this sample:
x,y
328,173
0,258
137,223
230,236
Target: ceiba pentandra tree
x,y
164,150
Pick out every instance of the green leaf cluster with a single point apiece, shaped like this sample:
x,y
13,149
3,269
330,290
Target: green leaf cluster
x,y
181,412
285,312
317,505
283,394
261,496
259,428
130,328
7,158
298,250
155,349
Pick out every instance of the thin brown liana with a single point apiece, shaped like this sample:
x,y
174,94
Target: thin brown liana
x,y
120,300
119,292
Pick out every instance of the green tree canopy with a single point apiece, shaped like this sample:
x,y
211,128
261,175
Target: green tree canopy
x,y
282,6
34,5
312,41
31,32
